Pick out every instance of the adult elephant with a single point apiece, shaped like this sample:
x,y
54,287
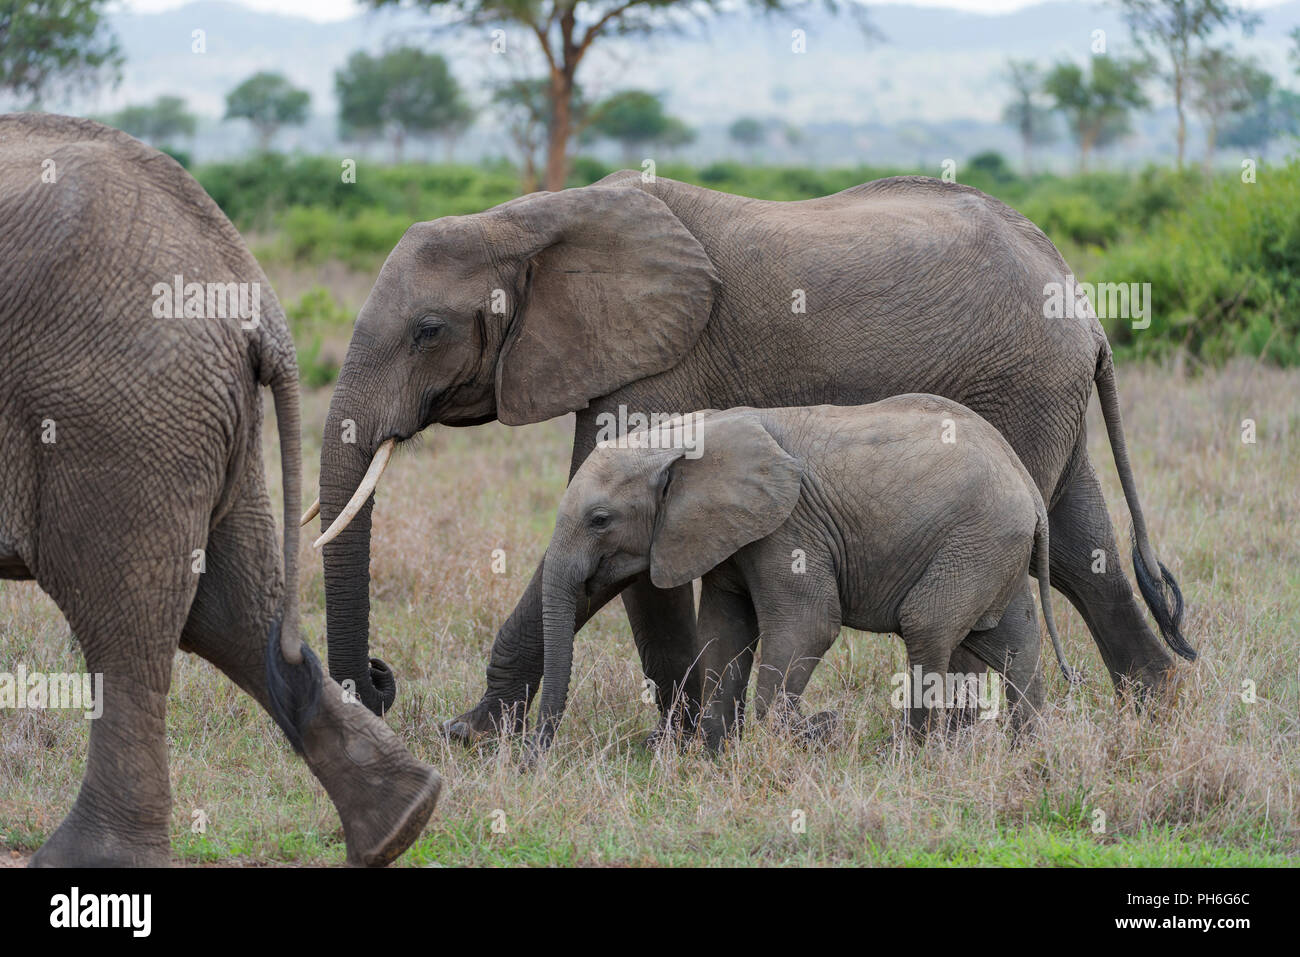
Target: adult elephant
x,y
661,297
135,332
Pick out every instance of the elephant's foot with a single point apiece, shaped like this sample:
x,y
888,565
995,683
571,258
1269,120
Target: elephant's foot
x,y
675,727
484,722
383,795
818,729
85,841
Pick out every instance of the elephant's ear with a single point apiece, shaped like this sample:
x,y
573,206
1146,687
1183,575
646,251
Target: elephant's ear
x,y
741,487
614,289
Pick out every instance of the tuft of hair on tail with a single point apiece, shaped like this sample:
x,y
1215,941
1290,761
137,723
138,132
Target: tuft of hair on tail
x,y
294,690
1165,599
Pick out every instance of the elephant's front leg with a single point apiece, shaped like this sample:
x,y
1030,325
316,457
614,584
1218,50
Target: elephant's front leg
x,y
663,627
728,635
514,669
799,622
514,673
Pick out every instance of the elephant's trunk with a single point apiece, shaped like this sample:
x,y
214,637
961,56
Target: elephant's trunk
x,y
561,582
344,464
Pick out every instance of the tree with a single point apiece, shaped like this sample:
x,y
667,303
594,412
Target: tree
x,y
1222,85
676,135
1097,106
1176,31
565,31
1271,112
634,118
158,122
268,101
45,44
525,106
746,131
1026,113
403,92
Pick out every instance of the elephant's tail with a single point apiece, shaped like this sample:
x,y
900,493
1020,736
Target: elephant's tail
x,y
1159,588
293,672
1042,558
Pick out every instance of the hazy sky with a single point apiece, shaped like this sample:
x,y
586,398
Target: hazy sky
x,y
341,9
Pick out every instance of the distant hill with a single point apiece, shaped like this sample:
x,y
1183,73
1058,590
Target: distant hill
x,y
932,89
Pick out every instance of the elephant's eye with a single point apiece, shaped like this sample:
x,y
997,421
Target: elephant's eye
x,y
599,519
427,330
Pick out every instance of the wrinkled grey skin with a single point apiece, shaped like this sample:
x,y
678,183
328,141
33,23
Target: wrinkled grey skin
x,y
157,454
665,297
911,515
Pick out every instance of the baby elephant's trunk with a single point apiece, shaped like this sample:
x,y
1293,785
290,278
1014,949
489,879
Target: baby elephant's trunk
x,y
560,585
1043,559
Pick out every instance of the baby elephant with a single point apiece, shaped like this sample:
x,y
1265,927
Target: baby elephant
x,y
911,515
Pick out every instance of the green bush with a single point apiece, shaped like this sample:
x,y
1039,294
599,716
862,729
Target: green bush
x,y
315,313
1224,273
1222,257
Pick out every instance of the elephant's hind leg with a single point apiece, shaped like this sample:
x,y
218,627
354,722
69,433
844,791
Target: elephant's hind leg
x,y
1096,585
1013,648
934,619
127,611
383,795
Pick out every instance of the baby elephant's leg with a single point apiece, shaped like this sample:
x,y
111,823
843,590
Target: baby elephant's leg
x,y
796,636
728,632
964,714
933,619
1012,647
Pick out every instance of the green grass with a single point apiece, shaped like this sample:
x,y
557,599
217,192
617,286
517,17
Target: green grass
x,y
1202,779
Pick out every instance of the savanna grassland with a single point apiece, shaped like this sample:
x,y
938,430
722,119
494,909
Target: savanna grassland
x,y
1203,778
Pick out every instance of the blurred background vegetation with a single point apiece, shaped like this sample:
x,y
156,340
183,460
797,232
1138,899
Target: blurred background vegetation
x,y
1218,243
1222,255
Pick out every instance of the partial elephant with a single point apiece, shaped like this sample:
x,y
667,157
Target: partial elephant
x,y
135,332
641,295
911,515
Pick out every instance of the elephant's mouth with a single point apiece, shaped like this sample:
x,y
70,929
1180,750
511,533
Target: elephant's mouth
x,y
436,409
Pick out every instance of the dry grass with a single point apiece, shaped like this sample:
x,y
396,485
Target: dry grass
x,y
1204,778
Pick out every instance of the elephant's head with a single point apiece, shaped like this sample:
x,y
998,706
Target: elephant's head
x,y
521,313
666,501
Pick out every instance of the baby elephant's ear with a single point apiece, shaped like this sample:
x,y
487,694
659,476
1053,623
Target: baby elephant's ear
x,y
740,487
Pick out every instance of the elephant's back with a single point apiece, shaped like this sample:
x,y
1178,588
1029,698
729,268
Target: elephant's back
x,y
94,328
916,461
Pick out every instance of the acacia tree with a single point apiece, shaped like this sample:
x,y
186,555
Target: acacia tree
x,y
1273,111
525,106
1026,112
402,92
45,43
1222,86
1096,106
635,118
268,101
748,132
1176,31
565,31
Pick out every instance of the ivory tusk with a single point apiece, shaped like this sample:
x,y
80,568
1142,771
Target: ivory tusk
x,y
359,497
311,513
